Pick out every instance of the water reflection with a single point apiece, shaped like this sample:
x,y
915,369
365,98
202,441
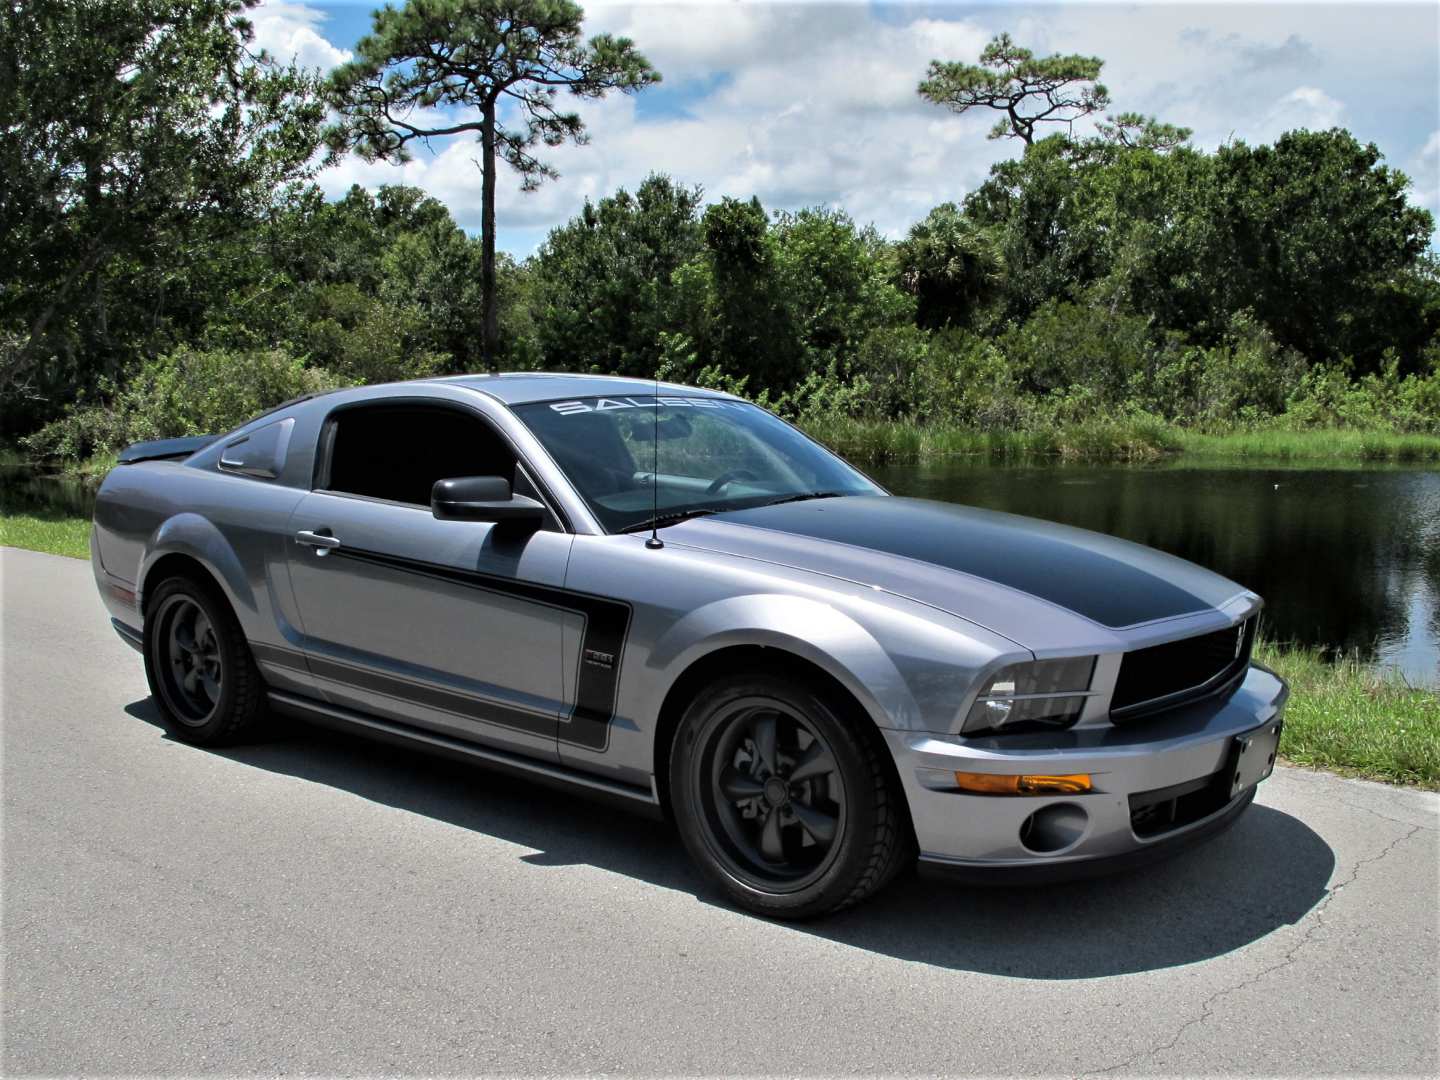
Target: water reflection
x,y
1343,557
24,490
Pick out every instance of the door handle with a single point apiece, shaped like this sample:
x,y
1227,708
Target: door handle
x,y
322,541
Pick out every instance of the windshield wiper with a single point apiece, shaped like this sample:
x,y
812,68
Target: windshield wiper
x,y
805,495
663,520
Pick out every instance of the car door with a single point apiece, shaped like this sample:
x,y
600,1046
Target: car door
x,y
442,624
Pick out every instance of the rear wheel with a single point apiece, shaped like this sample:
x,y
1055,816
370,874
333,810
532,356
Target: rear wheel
x,y
783,801
199,665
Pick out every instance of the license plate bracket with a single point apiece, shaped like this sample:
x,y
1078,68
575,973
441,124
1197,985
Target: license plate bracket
x,y
1252,756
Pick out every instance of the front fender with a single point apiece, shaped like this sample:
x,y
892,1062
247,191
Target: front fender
x,y
197,538
822,634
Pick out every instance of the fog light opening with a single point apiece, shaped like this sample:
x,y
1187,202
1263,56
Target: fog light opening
x,y
1053,828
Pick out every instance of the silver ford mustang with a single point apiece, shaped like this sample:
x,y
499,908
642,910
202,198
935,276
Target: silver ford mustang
x,y
671,598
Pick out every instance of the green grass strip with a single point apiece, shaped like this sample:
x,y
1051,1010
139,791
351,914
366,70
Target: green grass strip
x,y
55,535
1356,718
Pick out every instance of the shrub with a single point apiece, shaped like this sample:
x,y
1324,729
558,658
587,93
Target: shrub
x,y
967,380
1065,345
185,392
363,338
1327,396
892,359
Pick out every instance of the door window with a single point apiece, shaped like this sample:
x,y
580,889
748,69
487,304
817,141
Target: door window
x,y
397,452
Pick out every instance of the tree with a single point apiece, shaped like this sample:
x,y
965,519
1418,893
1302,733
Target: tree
x,y
138,136
503,63
1029,91
837,282
951,265
1309,230
604,281
748,328
1135,130
1028,206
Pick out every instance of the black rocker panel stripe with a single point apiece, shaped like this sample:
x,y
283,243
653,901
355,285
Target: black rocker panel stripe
x,y
432,697
607,624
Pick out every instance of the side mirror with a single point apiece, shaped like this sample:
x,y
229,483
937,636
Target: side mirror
x,y
485,498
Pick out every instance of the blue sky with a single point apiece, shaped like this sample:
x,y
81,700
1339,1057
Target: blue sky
x,y
814,103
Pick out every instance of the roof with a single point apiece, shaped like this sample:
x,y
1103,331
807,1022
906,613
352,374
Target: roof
x,y
522,387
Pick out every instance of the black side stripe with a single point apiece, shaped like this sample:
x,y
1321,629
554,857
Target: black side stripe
x,y
278,657
602,646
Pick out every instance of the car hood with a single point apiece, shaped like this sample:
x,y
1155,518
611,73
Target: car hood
x,y
1027,579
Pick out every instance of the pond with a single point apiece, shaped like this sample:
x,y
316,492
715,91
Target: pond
x,y
1346,558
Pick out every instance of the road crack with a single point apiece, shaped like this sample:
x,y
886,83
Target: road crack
x,y
1317,920
1387,817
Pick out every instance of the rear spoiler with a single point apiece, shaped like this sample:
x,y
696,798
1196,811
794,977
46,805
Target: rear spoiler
x,y
165,449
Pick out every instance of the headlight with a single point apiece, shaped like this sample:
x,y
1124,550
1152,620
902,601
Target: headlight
x,y
1039,695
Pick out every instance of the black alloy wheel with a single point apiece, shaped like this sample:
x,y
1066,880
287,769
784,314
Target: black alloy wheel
x,y
772,794
193,672
199,665
784,798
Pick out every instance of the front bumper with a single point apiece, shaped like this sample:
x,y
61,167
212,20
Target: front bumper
x,y
980,836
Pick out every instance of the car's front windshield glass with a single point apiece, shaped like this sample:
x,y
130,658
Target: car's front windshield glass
x,y
709,454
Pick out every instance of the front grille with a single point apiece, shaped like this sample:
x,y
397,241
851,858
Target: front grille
x,y
1164,676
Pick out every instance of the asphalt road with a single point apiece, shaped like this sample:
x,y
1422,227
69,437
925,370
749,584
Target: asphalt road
x,y
323,905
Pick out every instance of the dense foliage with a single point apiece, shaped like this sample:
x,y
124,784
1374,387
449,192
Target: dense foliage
x,y
142,140
1126,280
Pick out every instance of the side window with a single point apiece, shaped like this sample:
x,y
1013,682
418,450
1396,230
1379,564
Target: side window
x,y
260,453
397,452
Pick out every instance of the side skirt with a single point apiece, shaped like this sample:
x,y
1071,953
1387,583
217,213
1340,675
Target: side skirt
x,y
128,634
635,799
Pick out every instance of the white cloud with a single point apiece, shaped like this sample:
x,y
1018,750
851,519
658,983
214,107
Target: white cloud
x,y
1306,107
806,115
1425,174
802,104
291,32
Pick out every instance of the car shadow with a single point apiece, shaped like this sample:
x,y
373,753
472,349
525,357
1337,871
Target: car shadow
x,y
1265,872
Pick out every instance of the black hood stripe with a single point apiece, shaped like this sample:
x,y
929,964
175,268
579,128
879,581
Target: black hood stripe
x,y
992,546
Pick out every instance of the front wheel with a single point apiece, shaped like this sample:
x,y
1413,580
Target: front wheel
x,y
782,800
199,665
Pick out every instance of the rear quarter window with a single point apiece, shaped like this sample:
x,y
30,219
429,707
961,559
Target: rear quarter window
x,y
260,453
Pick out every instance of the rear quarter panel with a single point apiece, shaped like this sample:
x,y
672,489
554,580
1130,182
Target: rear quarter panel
x,y
234,527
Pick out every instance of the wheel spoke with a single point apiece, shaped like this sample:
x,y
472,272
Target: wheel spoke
x,y
764,731
817,823
816,761
191,680
770,845
182,640
736,785
211,686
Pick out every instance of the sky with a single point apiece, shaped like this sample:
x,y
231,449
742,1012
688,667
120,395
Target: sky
x,y
808,104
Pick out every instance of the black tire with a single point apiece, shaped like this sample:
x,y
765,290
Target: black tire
x,y
834,836
199,666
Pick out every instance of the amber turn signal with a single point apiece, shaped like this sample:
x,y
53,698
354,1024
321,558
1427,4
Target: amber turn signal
x,y
1002,784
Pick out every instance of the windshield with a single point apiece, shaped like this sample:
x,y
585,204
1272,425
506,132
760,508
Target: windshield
x,y
711,455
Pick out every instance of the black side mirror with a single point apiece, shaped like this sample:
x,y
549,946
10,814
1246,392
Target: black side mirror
x,y
485,498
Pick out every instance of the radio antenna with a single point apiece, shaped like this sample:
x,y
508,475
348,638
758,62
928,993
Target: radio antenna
x,y
655,543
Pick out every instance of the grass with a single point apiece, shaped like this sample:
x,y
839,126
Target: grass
x,y
54,534
1354,718
1136,439
1313,445
1129,439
